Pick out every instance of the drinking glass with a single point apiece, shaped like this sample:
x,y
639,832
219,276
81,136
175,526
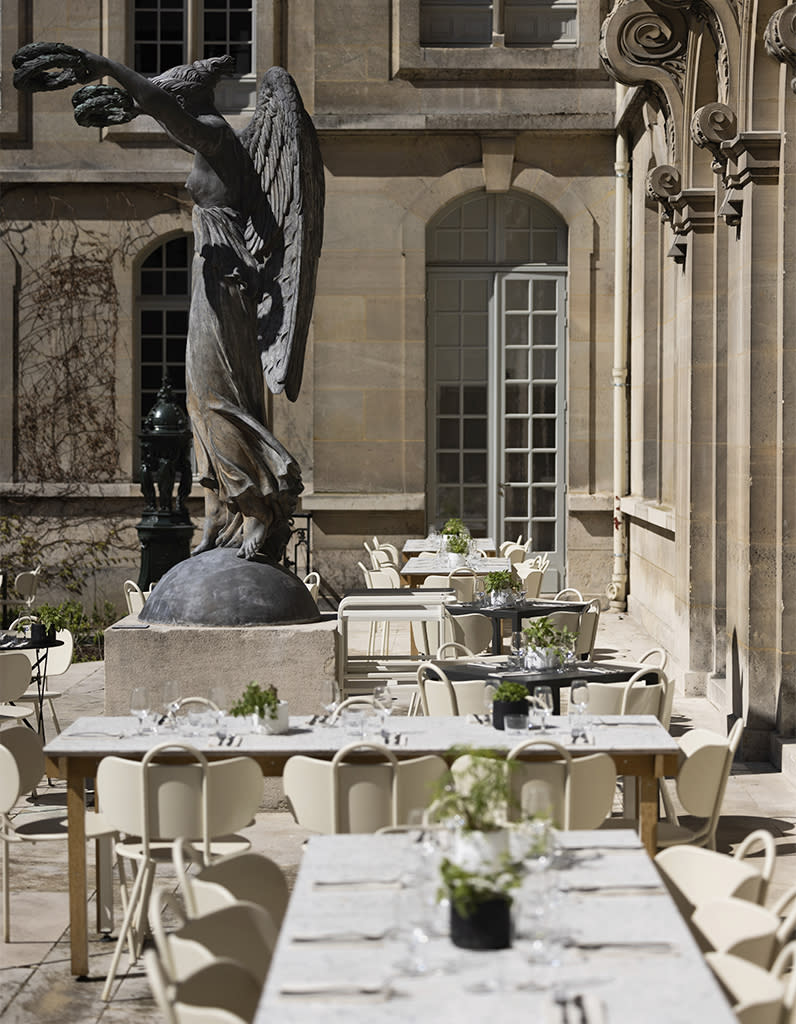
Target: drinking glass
x,y
382,702
329,701
139,705
544,695
578,703
519,645
171,703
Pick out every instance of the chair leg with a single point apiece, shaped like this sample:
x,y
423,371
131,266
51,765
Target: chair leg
x,y
6,894
103,854
56,723
124,931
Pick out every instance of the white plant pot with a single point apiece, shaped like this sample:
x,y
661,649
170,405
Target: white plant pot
x,y
456,561
474,850
501,598
538,658
276,725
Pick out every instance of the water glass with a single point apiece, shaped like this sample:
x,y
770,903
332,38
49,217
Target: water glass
x,y
519,645
353,722
515,725
139,706
544,698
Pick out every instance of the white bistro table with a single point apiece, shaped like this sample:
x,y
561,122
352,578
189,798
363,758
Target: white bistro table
x,y
416,545
628,954
639,746
415,569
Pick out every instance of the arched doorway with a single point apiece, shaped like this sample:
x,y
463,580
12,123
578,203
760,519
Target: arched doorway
x,y
496,330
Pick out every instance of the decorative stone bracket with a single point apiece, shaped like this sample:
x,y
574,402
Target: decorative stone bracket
x,y
780,38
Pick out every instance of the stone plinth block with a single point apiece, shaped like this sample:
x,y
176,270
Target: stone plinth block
x,y
216,588
295,658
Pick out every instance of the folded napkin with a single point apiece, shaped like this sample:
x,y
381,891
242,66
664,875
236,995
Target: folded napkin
x,y
377,987
336,935
357,883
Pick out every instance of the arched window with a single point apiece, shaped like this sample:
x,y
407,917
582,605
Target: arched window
x,y
496,364
164,295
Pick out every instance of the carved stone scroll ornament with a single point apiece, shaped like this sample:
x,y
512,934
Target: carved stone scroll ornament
x,y
663,185
780,37
712,125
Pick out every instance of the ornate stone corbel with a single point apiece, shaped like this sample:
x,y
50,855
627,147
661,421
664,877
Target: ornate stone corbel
x,y
712,125
780,37
663,185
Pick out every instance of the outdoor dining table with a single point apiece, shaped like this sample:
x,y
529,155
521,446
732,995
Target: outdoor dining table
x,y
416,569
494,670
626,954
639,746
414,545
517,612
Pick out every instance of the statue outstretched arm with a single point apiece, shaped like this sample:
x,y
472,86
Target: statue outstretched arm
x,y
46,66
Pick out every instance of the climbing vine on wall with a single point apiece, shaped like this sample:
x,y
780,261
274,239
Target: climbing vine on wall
x,y
67,420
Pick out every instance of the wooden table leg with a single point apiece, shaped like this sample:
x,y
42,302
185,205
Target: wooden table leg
x,y
648,812
78,891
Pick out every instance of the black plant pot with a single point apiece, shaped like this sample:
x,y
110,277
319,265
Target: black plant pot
x,y
501,708
38,633
488,927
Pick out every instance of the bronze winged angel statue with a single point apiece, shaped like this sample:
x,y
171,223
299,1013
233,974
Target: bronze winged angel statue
x,y
258,224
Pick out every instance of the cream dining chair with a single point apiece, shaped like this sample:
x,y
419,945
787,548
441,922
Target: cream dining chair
x,y
58,661
695,875
134,597
221,992
14,681
441,696
744,929
346,795
757,996
157,800
21,768
582,788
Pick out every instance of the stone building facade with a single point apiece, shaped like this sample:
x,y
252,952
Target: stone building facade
x,y
460,356
706,119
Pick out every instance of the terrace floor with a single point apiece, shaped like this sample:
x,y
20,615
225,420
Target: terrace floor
x,y
35,982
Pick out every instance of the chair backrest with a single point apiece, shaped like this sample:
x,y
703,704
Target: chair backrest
x,y
441,696
473,630
429,635
634,696
656,656
26,584
582,788
703,774
380,557
222,992
736,926
248,876
462,580
566,620
514,552
587,630
134,597
531,577
342,795
60,658
757,996
21,764
14,675
695,875
569,594
159,799
391,550
241,931
312,582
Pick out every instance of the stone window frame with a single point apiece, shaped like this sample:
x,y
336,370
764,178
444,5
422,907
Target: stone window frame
x,y
12,102
117,43
410,60
498,20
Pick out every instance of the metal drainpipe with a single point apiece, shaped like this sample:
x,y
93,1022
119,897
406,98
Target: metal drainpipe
x,y
617,589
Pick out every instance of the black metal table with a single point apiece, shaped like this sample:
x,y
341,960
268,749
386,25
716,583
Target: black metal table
x,y
517,612
555,678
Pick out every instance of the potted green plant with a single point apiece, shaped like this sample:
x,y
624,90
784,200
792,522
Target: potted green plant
x,y
455,527
263,706
509,698
548,646
502,586
458,546
480,902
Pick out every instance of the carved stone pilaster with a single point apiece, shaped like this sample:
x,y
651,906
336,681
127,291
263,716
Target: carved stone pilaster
x,y
711,126
780,38
663,186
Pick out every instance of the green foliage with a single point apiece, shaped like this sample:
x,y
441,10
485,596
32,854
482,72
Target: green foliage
x,y
542,634
256,701
455,527
87,629
475,793
502,579
467,890
457,544
510,691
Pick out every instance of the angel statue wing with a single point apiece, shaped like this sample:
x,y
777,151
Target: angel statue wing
x,y
285,227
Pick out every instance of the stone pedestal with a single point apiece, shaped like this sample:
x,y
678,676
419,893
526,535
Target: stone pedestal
x,y
295,658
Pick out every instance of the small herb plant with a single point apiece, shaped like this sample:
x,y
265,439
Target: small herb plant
x,y
510,692
475,793
541,634
457,544
256,700
455,527
502,579
467,890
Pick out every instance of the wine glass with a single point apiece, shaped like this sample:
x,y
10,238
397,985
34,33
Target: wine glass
x,y
518,647
578,703
171,702
544,696
329,701
382,702
139,705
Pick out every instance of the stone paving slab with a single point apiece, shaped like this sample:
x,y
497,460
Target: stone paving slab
x,y
35,983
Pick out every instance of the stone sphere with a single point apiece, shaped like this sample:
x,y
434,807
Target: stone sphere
x,y
216,588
